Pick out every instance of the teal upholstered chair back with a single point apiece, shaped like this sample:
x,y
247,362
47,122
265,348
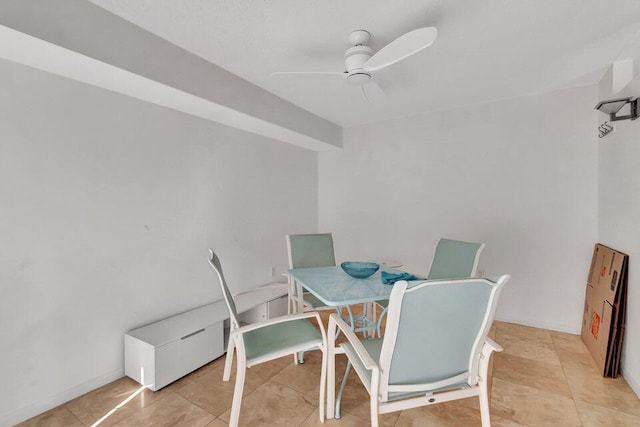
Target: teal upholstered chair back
x,y
228,298
455,259
310,250
435,332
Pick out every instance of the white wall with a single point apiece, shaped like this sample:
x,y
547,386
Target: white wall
x,y
108,207
619,205
519,175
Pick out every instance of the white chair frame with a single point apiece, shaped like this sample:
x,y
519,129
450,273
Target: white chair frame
x,y
377,386
236,342
296,302
473,273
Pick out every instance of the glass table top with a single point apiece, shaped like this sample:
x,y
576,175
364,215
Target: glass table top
x,y
334,287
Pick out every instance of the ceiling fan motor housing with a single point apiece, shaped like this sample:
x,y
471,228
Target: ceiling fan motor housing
x,y
354,59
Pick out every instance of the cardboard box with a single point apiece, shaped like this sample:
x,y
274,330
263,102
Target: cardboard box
x,y
604,308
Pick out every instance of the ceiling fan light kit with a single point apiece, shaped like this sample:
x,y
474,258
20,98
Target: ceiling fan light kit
x,y
361,62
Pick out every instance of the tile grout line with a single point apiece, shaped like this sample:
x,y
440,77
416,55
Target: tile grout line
x,y
215,417
208,412
564,373
74,415
315,407
576,400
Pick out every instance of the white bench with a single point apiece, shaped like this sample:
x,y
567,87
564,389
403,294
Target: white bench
x,y
157,354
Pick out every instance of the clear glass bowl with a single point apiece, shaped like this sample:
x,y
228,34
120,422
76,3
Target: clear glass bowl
x,y
359,269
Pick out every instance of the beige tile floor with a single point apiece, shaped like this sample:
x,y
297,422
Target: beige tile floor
x,y
542,378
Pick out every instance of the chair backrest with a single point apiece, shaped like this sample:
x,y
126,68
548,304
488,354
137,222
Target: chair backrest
x,y
454,259
435,332
310,250
228,298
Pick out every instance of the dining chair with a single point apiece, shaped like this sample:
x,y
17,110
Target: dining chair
x,y
264,341
435,348
452,259
308,251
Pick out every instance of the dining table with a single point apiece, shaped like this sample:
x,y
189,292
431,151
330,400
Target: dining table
x,y
334,287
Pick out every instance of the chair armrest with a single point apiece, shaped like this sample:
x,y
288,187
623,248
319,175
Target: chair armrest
x,y
353,339
281,319
490,346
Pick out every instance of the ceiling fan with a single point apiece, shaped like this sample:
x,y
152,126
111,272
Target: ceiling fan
x,y
361,62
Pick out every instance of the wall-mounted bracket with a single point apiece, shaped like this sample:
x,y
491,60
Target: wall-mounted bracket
x,y
613,106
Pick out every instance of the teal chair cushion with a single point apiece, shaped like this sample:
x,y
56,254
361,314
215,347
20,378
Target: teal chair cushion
x,y
374,347
279,337
453,259
311,250
438,328
313,300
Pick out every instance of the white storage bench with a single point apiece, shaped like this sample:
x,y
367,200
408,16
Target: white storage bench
x,y
157,354
265,302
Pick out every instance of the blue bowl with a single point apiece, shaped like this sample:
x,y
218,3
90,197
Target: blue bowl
x,y
359,270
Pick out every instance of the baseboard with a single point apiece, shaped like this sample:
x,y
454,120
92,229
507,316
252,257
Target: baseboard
x,y
543,324
25,412
631,380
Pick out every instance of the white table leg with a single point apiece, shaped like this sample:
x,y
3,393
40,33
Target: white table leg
x,y
331,371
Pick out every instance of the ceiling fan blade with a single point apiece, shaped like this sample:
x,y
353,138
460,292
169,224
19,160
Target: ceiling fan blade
x,y
308,74
373,93
401,48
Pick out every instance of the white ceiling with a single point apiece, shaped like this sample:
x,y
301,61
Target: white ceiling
x,y
486,49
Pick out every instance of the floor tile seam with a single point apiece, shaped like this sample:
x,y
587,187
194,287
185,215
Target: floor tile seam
x,y
76,416
608,408
520,349
566,379
569,353
578,399
308,417
305,395
504,375
215,417
530,339
72,414
297,391
273,375
208,412
527,359
315,406
141,409
573,396
623,411
368,419
537,360
617,383
558,346
178,387
547,339
547,391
